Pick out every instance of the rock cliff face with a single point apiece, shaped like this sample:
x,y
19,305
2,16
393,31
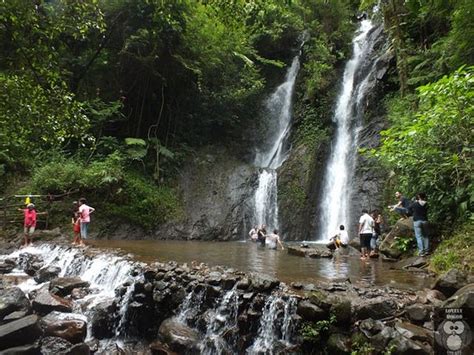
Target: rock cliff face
x,y
216,189
300,178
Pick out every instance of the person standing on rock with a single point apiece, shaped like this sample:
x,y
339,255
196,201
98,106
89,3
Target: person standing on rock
x,y
29,223
402,206
378,220
85,212
272,240
419,210
366,229
76,223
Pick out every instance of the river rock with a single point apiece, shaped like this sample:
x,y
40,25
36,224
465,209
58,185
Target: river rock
x,y
103,319
376,308
310,312
55,346
263,283
338,343
45,302
6,266
179,337
19,332
405,346
342,309
414,332
463,299
47,273
451,281
418,312
72,327
158,348
63,286
30,263
403,228
13,300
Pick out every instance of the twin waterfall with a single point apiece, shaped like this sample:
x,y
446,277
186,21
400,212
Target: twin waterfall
x,y
337,190
273,154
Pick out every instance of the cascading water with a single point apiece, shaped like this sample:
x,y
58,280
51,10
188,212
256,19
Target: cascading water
x,y
270,158
336,193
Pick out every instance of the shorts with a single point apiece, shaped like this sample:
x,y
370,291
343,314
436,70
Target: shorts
x,y
29,230
84,229
365,240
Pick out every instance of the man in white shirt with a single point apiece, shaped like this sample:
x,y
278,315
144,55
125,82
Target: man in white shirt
x,y
272,240
366,229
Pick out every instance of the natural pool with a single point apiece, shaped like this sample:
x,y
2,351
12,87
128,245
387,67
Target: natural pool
x,y
250,257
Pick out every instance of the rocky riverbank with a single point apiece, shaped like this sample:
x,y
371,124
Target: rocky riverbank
x,y
63,300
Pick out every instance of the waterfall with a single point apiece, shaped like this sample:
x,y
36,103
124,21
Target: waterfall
x,y
274,152
337,191
275,325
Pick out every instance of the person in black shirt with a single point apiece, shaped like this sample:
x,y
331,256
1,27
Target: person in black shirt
x,y
402,206
419,210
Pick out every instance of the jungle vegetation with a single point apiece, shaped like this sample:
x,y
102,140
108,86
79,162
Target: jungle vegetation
x,y
109,97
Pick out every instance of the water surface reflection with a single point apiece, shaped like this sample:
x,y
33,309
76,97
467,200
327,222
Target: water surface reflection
x,y
250,257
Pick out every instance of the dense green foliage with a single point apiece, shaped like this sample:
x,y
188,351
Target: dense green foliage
x,y
92,90
429,147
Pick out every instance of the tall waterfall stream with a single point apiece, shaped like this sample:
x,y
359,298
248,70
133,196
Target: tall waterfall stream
x,y
337,189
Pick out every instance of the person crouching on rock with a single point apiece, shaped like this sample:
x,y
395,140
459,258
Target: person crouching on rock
x,y
273,239
339,240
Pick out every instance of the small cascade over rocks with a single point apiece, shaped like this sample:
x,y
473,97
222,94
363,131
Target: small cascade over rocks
x,y
106,302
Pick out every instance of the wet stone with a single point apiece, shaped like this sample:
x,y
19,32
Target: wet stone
x,y
44,302
63,286
55,346
310,312
18,332
13,300
72,327
47,273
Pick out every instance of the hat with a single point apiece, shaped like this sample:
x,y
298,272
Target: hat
x,y
30,205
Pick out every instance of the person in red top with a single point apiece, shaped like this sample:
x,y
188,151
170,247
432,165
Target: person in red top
x,y
29,223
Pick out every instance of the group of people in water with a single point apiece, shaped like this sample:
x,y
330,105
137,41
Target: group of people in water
x,y
369,228
80,221
259,234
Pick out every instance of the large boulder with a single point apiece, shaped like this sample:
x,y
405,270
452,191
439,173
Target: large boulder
x,y
310,312
403,228
375,308
30,263
178,336
462,299
63,286
72,327
7,266
262,282
47,273
418,312
19,332
451,281
45,302
13,300
103,319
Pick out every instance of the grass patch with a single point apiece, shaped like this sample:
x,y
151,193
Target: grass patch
x,y
455,251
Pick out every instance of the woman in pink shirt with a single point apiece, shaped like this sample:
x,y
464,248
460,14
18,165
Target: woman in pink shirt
x,y
85,212
29,223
